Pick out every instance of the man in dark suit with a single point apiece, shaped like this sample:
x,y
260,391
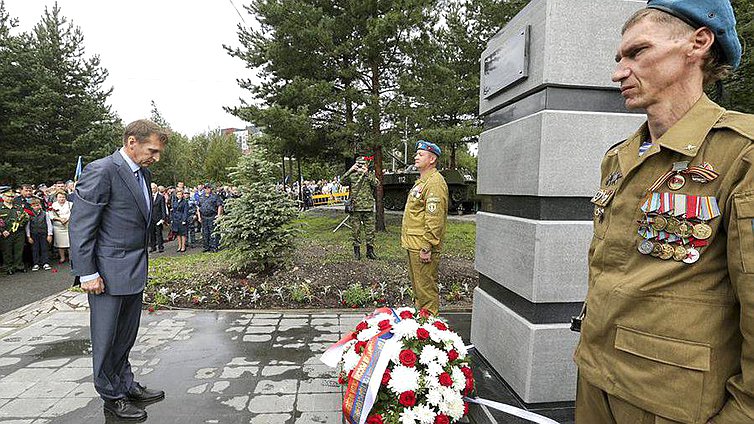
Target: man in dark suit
x,y
159,215
108,233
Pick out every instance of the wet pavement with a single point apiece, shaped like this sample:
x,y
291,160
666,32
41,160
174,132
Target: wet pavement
x,y
216,366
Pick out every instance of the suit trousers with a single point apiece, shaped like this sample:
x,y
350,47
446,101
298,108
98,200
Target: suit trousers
x,y
155,236
595,406
424,280
114,323
39,250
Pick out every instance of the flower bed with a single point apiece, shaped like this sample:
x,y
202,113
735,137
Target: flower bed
x,y
402,367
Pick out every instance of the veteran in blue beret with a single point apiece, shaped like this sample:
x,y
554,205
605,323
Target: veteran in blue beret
x,y
423,229
667,332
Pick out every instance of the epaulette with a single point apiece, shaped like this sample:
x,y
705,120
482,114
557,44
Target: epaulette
x,y
742,123
610,149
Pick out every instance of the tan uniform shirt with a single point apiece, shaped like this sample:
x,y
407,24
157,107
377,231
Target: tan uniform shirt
x,y
426,213
675,336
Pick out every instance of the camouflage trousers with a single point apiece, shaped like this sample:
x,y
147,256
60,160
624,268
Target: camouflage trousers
x,y
362,220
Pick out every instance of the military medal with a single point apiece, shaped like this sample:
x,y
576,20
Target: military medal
x,y
666,252
692,255
656,250
672,225
602,197
685,229
646,247
659,222
679,253
702,231
676,182
599,213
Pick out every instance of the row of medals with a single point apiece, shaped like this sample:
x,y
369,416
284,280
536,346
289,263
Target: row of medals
x,y
683,229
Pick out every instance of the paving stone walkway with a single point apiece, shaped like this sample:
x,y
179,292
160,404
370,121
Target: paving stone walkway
x,y
216,366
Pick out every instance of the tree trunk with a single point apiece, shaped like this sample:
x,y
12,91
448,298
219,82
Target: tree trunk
x,y
290,169
300,181
379,222
453,148
282,165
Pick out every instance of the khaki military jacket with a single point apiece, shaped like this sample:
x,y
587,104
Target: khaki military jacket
x,y
426,214
362,186
675,335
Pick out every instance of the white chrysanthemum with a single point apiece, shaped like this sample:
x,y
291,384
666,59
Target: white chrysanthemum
x,y
459,379
456,342
455,407
442,357
434,333
448,397
350,359
403,379
424,414
429,354
367,334
406,329
434,396
407,416
433,370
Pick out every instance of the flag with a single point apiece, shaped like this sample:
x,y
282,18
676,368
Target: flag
x,y
79,166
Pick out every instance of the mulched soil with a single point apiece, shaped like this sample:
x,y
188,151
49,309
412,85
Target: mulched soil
x,y
319,279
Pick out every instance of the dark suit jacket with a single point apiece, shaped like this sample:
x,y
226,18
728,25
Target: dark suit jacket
x,y
108,226
159,209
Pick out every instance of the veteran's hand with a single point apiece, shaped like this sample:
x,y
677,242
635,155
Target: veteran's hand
x,y
425,257
96,286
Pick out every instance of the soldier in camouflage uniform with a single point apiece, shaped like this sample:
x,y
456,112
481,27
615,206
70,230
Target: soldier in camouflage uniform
x,y
363,183
12,222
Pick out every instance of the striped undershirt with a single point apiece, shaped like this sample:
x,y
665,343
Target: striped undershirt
x,y
644,147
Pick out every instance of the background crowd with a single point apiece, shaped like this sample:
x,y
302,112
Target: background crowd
x,y
34,221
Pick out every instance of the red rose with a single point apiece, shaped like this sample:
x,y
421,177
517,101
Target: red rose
x,y
465,408
423,313
151,309
342,379
407,399
359,347
407,358
440,325
467,372
446,380
469,384
422,334
361,326
453,355
406,315
386,377
384,324
374,419
442,419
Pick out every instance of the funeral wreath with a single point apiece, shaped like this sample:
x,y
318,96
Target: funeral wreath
x,y
402,367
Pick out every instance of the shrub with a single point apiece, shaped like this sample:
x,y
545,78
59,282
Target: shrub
x,y
256,229
357,295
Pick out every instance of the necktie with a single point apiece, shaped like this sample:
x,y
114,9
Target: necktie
x,y
136,174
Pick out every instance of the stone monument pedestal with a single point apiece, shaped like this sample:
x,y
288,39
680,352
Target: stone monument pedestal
x,y
550,113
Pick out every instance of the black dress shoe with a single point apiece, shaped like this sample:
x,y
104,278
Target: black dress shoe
x,y
125,410
142,394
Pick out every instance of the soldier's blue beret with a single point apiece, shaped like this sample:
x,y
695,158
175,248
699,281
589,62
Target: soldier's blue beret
x,y
430,147
717,15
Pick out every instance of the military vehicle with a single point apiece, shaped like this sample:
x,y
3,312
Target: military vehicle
x,y
461,187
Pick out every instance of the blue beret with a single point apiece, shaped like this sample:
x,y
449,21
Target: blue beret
x,y
430,147
717,15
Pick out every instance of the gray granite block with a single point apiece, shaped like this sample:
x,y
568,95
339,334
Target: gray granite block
x,y
542,261
535,360
550,153
560,30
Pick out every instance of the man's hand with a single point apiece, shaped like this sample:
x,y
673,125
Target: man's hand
x,y
96,286
425,256
49,239
6,233
30,240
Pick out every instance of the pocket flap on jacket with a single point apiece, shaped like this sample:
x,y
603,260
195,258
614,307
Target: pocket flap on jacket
x,y
415,232
681,353
745,207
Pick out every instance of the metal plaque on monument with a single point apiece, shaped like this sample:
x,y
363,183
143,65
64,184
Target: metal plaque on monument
x,y
550,113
